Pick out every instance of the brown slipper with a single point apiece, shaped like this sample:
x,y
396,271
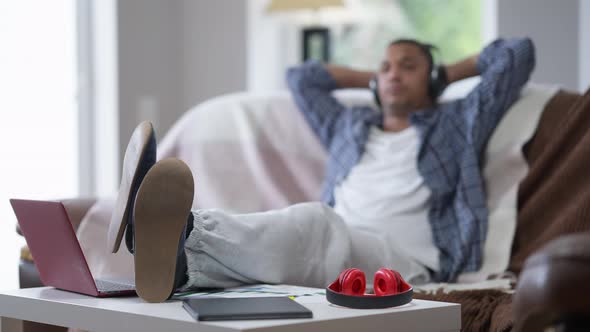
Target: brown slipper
x,y
162,209
140,155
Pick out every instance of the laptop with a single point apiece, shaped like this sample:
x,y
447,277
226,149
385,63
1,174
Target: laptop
x,y
56,250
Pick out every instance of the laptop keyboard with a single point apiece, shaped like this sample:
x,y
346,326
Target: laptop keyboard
x,y
111,286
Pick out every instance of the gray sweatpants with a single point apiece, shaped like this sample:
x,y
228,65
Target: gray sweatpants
x,y
306,244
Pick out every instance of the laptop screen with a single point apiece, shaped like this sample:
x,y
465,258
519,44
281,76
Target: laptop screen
x,y
54,245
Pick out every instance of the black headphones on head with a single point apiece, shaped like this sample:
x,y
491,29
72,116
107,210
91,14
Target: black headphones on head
x,y
437,81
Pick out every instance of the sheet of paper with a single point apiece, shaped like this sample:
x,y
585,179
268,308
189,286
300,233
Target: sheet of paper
x,y
262,290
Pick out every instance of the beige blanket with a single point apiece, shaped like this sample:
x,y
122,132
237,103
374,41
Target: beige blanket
x,y
255,152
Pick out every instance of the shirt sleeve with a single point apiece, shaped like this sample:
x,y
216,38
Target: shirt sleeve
x,y
505,66
311,86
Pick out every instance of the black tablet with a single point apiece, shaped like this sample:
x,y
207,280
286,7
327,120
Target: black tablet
x,y
210,309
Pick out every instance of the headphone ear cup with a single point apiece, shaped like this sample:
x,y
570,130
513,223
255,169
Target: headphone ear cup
x,y
373,85
352,282
438,81
386,282
431,84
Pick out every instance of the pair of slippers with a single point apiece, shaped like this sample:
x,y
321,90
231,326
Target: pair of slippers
x,y
152,208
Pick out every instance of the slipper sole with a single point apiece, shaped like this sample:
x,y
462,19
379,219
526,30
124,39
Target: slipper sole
x,y
135,155
162,207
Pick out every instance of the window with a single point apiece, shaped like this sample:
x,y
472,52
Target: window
x,y
454,26
38,113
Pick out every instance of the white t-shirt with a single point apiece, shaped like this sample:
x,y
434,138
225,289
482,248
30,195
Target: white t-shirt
x,y
384,192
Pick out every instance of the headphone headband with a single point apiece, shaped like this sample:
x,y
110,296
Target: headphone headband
x,y
391,290
368,301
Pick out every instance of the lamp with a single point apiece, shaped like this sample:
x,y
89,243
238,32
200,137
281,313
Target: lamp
x,y
315,39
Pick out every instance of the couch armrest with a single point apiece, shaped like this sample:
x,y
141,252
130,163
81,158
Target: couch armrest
x,y
553,285
76,209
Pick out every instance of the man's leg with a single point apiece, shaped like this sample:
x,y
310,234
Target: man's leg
x,y
153,210
305,244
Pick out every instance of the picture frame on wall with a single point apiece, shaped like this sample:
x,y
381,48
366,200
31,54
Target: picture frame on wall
x,y
316,44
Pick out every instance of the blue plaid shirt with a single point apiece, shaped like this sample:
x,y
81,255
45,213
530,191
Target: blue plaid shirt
x,y
453,139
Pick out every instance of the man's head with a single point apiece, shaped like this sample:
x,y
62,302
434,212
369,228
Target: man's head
x,y
403,77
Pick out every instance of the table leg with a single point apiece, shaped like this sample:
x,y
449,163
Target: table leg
x,y
10,325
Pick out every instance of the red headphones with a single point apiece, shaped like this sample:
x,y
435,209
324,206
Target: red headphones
x,y
390,289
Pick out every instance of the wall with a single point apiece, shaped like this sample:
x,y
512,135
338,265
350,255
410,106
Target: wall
x,y
584,40
273,46
554,26
99,90
215,49
173,55
150,64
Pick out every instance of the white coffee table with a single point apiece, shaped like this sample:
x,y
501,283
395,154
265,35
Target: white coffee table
x,y
51,306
